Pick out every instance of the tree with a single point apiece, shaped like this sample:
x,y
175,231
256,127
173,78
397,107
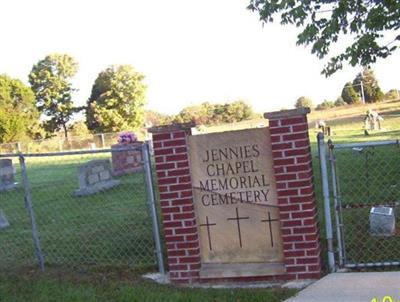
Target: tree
x,y
117,100
370,87
324,22
19,117
304,102
239,111
211,114
339,102
325,105
191,114
349,94
392,94
79,128
155,118
50,80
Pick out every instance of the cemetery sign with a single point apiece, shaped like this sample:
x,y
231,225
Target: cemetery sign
x,y
236,202
239,205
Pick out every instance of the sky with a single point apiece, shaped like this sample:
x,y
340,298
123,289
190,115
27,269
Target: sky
x,y
190,51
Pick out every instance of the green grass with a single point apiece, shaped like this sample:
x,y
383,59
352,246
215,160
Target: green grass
x,y
368,178
119,287
108,228
347,122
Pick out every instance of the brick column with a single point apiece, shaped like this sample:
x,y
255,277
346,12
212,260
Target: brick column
x,y
176,201
292,162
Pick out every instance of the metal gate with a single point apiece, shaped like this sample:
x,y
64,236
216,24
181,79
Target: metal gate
x,y
361,187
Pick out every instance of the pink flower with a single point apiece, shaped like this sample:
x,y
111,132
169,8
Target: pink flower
x,y
127,137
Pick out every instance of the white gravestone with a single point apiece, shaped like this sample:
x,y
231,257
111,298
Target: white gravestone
x,y
7,173
95,176
3,220
382,221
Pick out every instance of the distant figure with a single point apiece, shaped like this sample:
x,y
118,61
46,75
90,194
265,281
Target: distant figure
x,y
320,124
372,120
326,130
378,120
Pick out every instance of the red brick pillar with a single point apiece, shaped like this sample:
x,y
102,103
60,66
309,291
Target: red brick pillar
x,y
292,162
176,201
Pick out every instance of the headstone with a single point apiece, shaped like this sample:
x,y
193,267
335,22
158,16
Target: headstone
x,y
125,162
3,220
382,221
95,176
236,204
7,173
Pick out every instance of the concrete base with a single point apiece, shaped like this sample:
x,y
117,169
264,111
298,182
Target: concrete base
x,y
164,279
99,187
229,270
7,187
157,277
352,287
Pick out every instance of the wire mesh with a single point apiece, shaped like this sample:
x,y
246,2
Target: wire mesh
x,y
368,181
108,225
16,245
58,144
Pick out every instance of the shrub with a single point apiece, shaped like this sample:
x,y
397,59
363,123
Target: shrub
x,y
339,102
325,105
304,102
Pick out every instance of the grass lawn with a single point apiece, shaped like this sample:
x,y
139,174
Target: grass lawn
x,y
108,228
118,286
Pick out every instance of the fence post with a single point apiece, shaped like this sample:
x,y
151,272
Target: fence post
x,y
18,146
336,203
28,205
152,204
103,144
327,208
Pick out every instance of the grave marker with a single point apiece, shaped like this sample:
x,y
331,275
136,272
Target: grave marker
x,y
7,174
95,176
3,220
382,221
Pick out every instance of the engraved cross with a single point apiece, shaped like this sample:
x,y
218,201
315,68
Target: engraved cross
x,y
269,220
208,224
238,218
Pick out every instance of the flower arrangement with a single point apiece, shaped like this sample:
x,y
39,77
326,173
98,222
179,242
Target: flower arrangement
x,y
127,137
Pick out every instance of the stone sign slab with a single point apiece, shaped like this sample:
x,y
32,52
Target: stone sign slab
x,y
236,201
3,220
95,176
7,174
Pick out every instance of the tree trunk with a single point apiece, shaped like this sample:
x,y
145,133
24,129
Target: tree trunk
x,y
65,132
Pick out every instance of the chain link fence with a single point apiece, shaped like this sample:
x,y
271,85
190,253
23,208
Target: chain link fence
x,y
69,209
364,183
59,144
